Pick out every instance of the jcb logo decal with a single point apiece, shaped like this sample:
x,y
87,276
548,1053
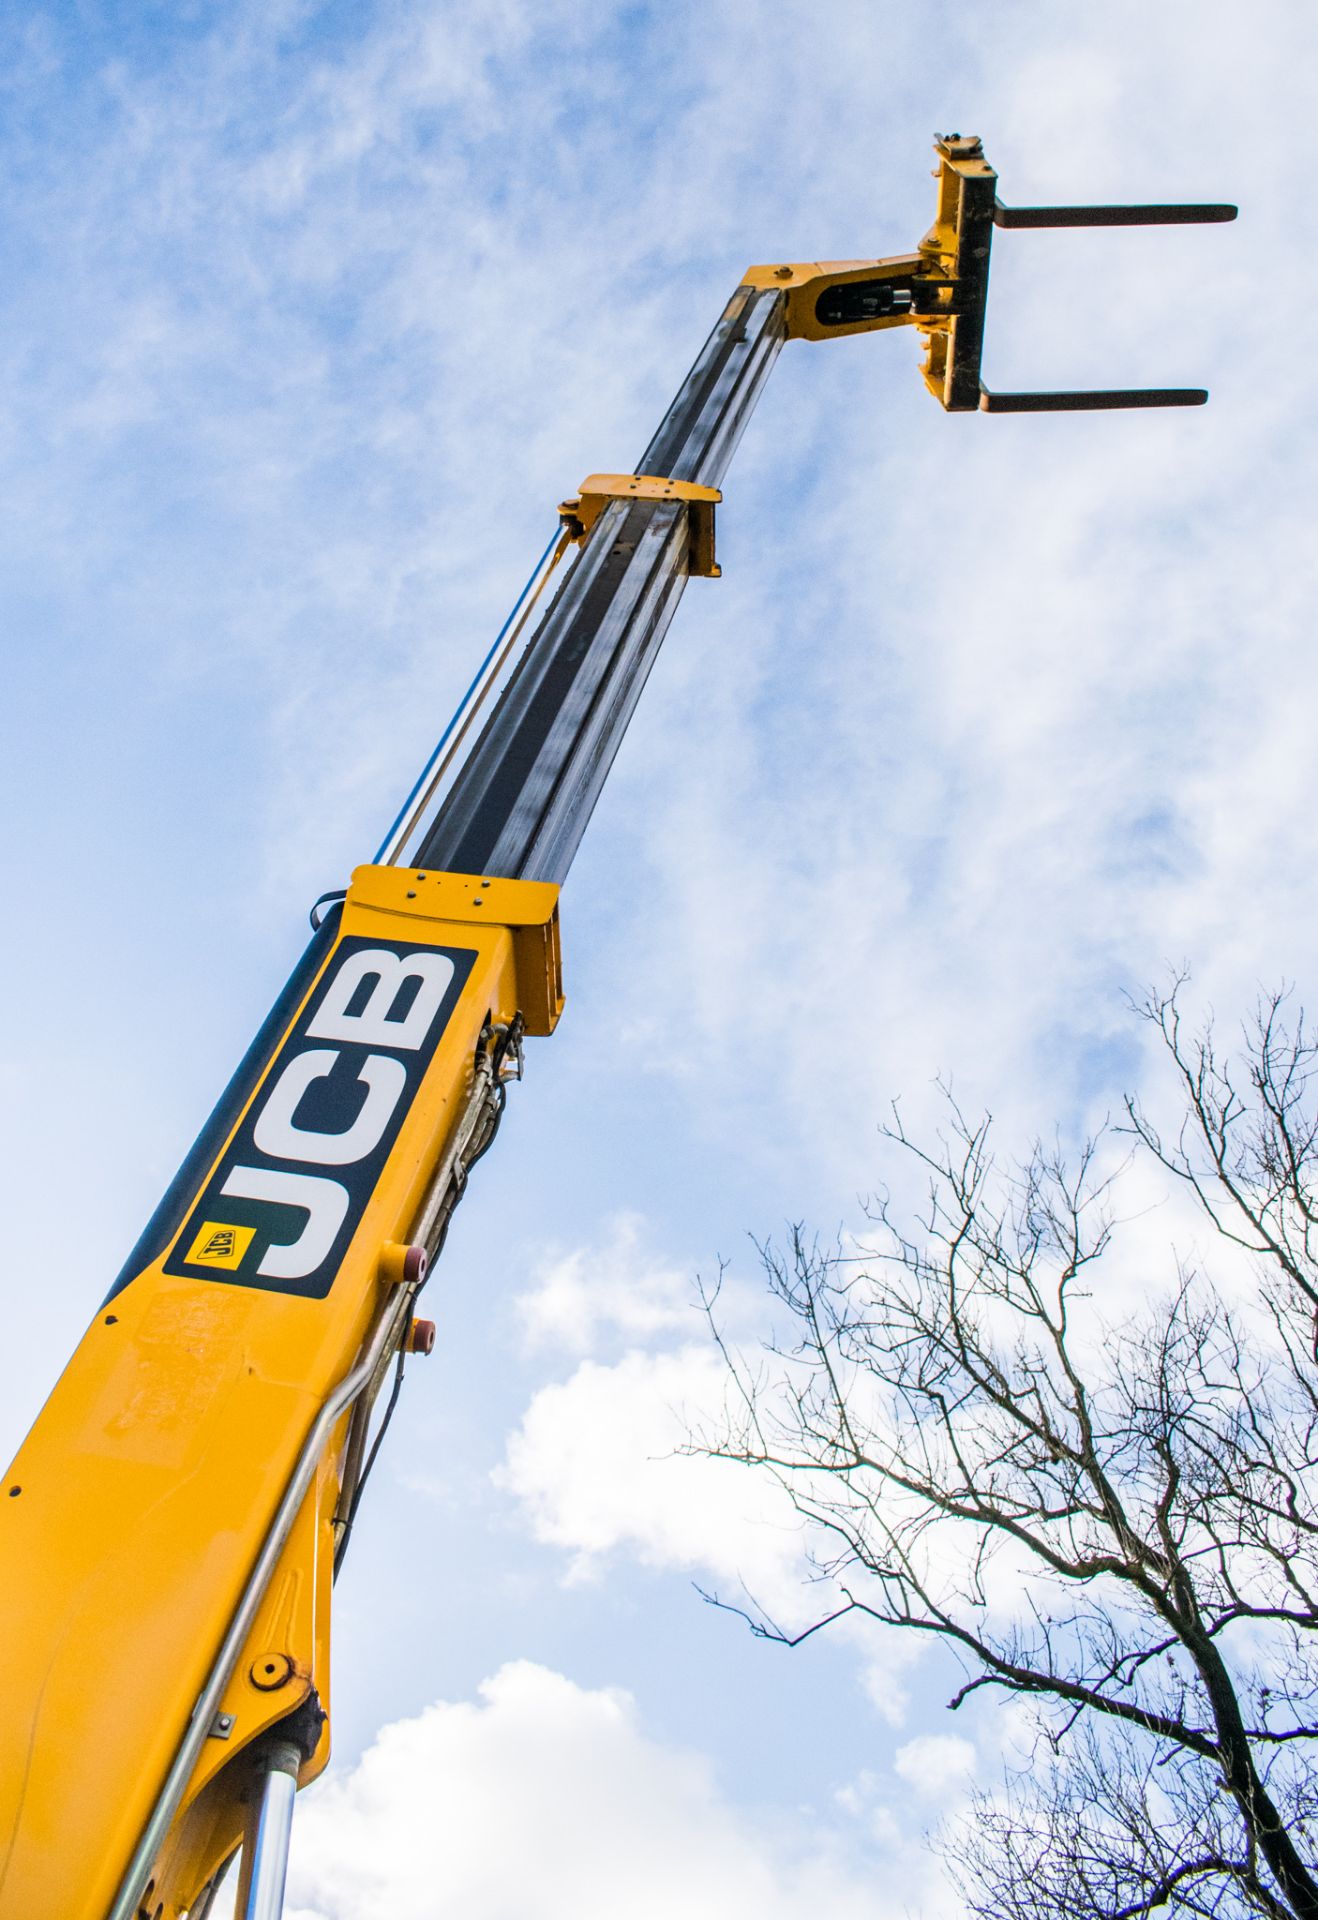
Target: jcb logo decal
x,y
217,1246
289,1192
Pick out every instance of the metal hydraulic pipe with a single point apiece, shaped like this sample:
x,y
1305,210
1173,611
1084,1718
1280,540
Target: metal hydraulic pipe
x,y
269,1828
386,1334
431,778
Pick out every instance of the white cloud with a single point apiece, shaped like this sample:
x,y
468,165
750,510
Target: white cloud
x,y
550,1797
583,1294
606,1462
936,1764
887,1663
601,1464
597,1464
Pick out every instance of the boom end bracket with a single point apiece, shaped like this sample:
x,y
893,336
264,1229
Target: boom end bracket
x,y
943,288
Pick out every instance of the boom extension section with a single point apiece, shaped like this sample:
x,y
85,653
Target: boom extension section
x,y
177,1514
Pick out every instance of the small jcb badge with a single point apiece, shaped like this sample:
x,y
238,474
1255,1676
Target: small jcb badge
x,y
219,1246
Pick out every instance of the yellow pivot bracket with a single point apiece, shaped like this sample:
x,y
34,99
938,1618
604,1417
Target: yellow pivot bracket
x,y
943,287
580,513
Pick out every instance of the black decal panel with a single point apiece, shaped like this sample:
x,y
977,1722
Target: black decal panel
x,y
287,1195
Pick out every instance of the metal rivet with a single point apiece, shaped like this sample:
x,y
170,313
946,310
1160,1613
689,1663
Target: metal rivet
x,y
14,1492
112,1319
412,895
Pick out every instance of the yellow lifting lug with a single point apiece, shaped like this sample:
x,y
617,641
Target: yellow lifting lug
x,y
581,512
828,298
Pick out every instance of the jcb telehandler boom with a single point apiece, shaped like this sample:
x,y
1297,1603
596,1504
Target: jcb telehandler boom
x,y
172,1524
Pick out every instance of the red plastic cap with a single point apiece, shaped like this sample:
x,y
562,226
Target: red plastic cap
x,y
421,1338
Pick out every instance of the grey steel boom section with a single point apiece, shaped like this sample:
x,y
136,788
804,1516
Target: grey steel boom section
x,y
520,804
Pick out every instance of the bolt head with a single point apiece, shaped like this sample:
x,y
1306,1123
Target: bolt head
x,y
270,1671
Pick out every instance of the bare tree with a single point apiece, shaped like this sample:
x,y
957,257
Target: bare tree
x,y
1111,1520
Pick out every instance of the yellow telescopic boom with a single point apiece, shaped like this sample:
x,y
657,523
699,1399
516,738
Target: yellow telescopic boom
x,y
173,1522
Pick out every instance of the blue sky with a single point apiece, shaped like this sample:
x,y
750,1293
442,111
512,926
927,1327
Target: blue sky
x,y
310,315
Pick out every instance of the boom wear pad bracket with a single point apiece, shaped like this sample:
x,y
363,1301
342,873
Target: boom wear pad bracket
x,y
580,513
